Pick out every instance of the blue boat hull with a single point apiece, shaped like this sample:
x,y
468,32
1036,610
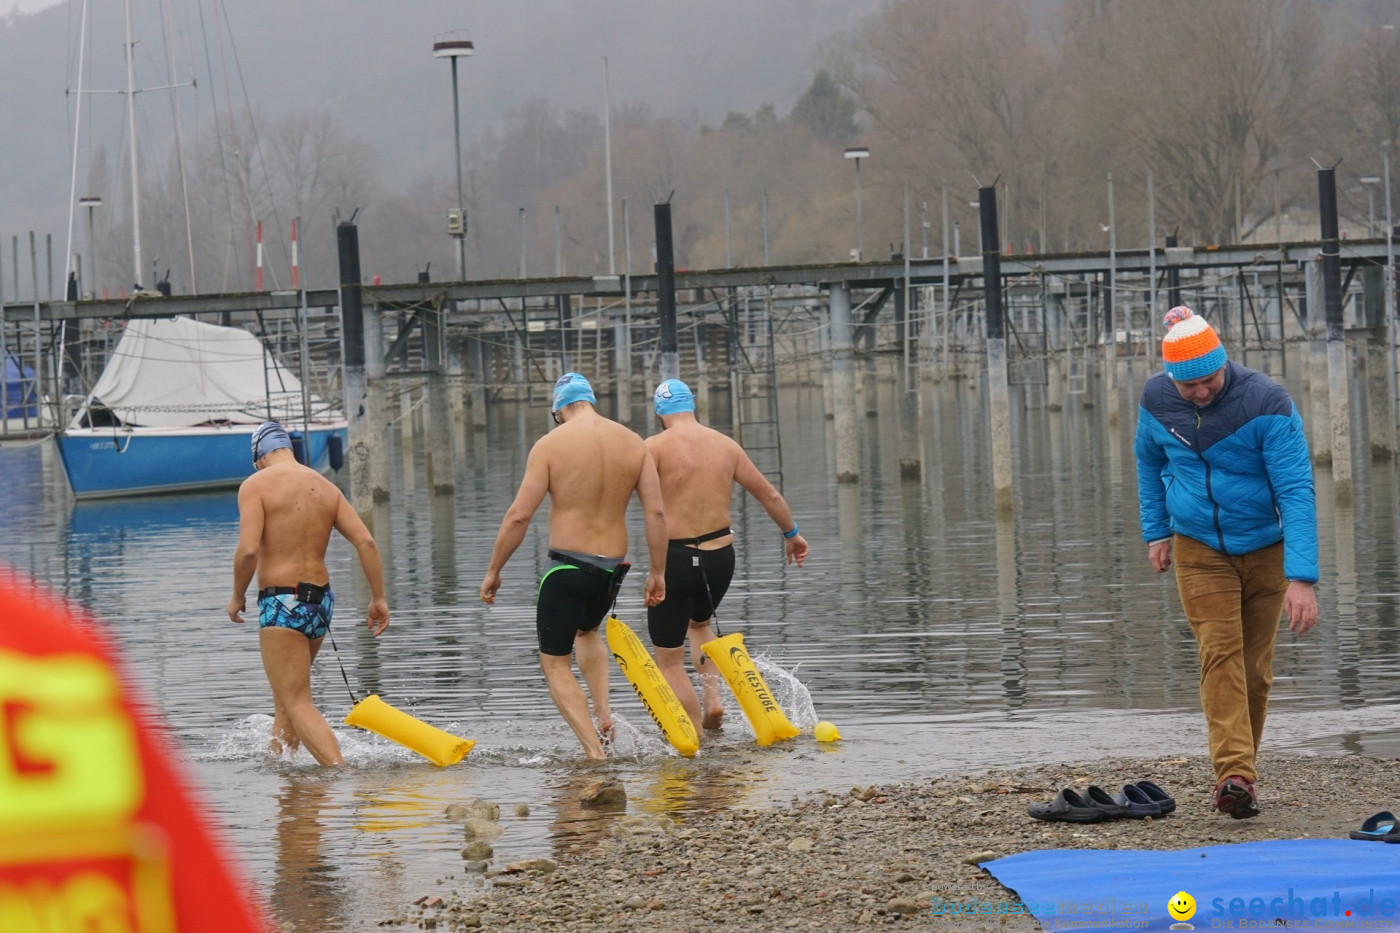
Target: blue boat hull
x,y
107,462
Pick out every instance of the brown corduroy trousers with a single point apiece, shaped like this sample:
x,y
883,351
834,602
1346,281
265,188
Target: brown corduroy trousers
x,y
1234,605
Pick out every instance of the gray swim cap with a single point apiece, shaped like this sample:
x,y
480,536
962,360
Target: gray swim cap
x,y
268,437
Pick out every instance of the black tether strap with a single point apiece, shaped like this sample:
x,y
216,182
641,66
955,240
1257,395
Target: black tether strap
x,y
342,669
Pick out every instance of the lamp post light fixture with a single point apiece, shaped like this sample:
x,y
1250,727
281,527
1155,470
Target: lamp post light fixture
x,y
91,202
1370,182
453,49
858,153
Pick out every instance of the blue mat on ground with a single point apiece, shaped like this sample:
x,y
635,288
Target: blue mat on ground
x,y
1334,884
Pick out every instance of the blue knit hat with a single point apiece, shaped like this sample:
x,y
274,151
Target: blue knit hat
x,y
673,396
571,388
268,437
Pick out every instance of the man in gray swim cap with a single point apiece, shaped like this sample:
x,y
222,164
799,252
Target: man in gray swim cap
x,y
286,513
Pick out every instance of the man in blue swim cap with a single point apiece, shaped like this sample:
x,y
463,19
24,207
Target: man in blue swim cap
x,y
589,467
697,468
568,389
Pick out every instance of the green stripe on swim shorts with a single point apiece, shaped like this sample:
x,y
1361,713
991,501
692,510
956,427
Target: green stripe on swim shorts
x,y
546,577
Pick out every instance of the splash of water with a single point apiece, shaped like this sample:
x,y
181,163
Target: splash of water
x,y
791,694
251,739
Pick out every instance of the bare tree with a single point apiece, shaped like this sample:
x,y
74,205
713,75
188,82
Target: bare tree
x,y
957,91
1378,84
1208,94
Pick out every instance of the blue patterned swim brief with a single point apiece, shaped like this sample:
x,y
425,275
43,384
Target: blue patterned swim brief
x,y
286,611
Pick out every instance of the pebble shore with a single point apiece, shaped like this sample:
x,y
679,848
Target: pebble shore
x,y
878,856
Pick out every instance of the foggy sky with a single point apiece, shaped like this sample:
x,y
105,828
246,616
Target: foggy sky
x,y
370,65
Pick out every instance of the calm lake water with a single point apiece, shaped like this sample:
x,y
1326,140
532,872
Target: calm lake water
x,y
938,639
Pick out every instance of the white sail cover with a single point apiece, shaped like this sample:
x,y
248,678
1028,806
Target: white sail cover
x,y
181,372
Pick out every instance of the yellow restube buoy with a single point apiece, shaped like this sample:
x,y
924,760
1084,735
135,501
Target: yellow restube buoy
x,y
652,689
755,699
439,747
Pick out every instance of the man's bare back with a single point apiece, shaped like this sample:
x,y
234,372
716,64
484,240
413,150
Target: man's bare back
x,y
589,467
299,508
697,467
593,465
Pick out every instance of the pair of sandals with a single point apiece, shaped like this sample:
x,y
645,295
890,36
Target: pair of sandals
x,y
1379,827
1135,801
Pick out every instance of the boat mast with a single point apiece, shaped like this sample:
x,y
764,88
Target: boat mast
x,y
131,130
77,125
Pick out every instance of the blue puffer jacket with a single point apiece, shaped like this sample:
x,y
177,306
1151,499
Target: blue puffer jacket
x,y
1234,475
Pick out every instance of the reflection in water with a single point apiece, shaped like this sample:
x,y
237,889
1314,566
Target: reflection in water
x,y
308,888
852,560
574,827
444,552
692,785
1013,670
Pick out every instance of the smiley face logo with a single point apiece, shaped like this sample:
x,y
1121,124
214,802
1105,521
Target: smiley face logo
x,y
1182,906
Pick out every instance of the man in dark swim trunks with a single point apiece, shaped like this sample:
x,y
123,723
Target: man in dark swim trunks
x,y
286,512
698,467
589,467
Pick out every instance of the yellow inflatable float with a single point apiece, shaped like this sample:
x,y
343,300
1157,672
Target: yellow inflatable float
x,y
439,747
767,718
651,686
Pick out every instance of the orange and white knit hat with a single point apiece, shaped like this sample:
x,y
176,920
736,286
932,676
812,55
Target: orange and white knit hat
x,y
1192,348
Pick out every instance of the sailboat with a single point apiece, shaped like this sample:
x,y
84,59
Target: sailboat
x,y
177,403
176,407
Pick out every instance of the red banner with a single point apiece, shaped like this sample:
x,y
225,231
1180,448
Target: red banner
x,y
97,829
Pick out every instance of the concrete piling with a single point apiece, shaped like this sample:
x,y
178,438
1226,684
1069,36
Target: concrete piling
x,y
843,386
366,444
1339,398
998,387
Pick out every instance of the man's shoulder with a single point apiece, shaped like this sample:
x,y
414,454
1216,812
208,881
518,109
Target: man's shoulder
x,y
704,434
692,436
1259,393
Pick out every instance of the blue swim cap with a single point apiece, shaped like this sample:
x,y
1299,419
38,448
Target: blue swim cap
x,y
673,396
268,437
571,388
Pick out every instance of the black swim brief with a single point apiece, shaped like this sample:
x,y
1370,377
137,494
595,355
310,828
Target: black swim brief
x,y
696,581
574,596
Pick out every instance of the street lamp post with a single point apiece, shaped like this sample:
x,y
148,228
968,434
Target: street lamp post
x,y
858,153
1370,182
454,49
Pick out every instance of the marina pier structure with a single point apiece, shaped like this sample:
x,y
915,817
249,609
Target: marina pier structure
x,y
1070,322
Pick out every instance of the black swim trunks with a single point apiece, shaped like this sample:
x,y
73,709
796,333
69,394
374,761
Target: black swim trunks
x,y
574,596
688,597
279,607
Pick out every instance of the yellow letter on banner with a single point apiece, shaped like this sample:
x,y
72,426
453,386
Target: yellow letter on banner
x,y
68,753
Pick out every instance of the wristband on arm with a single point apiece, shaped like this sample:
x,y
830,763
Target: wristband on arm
x,y
793,533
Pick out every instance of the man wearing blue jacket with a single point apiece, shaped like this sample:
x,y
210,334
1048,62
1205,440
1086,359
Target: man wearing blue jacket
x,y
1225,486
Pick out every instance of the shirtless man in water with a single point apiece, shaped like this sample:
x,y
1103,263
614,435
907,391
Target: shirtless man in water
x,y
698,467
285,515
589,466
